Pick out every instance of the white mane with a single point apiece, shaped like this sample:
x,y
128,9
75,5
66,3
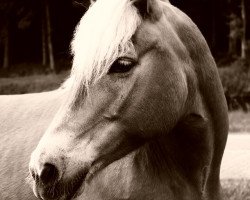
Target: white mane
x,y
103,34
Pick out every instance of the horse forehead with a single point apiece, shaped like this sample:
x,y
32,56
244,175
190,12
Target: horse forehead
x,y
162,31
162,36
146,35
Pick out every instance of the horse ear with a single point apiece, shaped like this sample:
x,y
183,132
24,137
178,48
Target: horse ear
x,y
149,8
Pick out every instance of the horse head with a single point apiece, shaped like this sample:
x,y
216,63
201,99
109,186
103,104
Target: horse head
x,y
134,79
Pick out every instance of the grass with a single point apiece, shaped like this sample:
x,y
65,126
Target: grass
x,y
236,189
239,122
31,84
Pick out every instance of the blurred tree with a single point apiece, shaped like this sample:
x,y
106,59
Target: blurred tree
x,y
20,12
47,45
11,11
213,34
44,43
5,36
235,34
238,29
244,26
6,7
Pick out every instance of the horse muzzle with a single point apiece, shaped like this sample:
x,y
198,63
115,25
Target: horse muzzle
x,y
49,184
46,186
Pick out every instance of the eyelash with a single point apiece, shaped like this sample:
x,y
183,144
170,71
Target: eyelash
x,y
125,62
122,65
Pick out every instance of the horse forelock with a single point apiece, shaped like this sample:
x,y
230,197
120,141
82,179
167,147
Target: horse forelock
x,y
103,34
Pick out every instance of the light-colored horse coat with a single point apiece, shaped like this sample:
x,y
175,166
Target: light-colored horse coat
x,y
23,120
157,132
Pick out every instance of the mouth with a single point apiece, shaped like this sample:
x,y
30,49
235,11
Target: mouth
x,y
78,188
67,190
85,177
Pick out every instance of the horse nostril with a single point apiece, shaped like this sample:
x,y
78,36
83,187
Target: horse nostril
x,y
49,174
33,174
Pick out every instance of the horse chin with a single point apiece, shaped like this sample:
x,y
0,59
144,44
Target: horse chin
x,y
78,190
86,178
67,190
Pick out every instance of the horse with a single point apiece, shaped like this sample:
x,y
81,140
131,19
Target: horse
x,y
142,116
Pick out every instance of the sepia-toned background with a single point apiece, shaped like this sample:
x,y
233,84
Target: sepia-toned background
x,y
35,55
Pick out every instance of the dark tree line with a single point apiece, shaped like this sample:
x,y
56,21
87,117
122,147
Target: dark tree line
x,y
36,30
224,23
40,30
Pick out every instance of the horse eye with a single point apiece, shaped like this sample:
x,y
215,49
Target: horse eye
x,y
122,65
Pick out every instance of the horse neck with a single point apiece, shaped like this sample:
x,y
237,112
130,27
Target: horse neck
x,y
173,156
156,159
